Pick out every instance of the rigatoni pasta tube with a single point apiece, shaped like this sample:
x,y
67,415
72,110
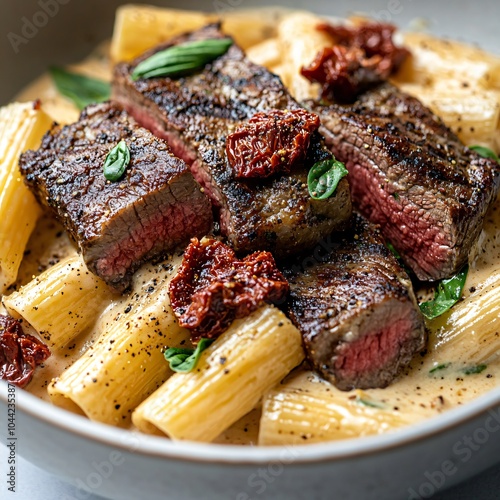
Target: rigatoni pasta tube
x,y
62,302
469,333
306,409
126,364
446,60
139,28
253,355
22,125
300,43
473,114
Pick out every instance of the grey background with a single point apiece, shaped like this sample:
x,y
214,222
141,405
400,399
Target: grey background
x,y
80,24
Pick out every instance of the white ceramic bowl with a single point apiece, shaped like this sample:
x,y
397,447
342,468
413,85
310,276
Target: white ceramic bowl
x,y
414,462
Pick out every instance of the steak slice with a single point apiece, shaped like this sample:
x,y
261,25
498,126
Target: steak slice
x,y
409,173
117,225
356,310
196,113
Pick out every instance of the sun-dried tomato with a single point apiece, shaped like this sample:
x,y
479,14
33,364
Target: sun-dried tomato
x,y
20,353
212,287
362,57
271,142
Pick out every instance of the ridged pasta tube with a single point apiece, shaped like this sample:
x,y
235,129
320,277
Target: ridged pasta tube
x,y
306,409
253,355
126,364
22,126
62,302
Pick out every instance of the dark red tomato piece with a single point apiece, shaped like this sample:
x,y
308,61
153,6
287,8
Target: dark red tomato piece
x,y
213,288
20,353
271,142
362,56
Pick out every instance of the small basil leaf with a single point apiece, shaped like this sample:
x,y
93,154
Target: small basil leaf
x,y
185,360
181,59
440,367
485,152
447,294
474,370
116,162
369,402
82,90
324,177
391,248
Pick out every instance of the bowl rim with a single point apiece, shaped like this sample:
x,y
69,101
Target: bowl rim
x,y
235,455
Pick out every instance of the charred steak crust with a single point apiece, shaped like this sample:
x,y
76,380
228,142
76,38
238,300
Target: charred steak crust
x,y
409,173
356,310
117,225
196,113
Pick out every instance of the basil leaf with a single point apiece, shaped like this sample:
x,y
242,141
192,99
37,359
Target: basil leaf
x,y
369,402
485,152
185,360
181,59
447,294
82,90
324,177
116,162
474,370
391,248
440,367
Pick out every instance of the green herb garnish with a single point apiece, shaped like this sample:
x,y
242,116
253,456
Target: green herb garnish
x,y
324,177
485,152
447,294
185,360
474,370
394,252
370,403
116,162
82,90
181,59
440,367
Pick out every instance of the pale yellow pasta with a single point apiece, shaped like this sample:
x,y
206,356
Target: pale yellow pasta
x,y
139,28
306,409
22,125
249,27
300,42
62,302
126,363
266,53
470,332
473,114
437,59
253,355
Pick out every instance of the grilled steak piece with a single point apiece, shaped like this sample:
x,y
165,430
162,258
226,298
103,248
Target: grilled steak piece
x,y
118,225
196,113
412,175
356,310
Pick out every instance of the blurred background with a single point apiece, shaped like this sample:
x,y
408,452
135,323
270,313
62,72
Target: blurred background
x,y
37,33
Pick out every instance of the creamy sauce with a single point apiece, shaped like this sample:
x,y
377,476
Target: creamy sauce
x,y
418,392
